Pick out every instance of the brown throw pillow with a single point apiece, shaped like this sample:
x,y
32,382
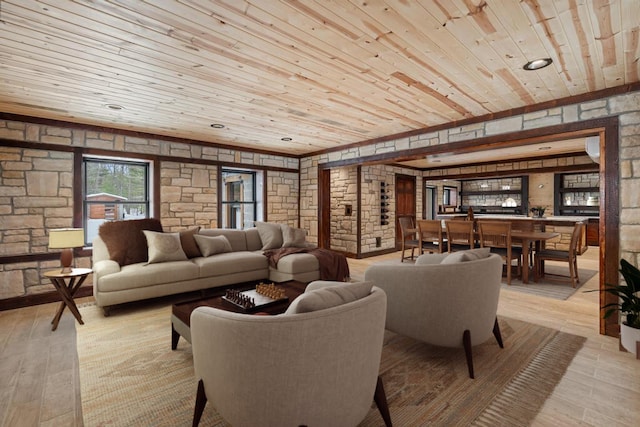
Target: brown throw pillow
x,y
188,243
126,241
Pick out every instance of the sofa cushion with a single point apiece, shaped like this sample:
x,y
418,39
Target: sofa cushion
x,y
293,237
211,245
298,263
270,234
125,241
231,263
328,297
189,245
253,239
141,275
237,238
164,247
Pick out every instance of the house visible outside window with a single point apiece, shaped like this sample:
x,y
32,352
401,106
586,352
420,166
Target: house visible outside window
x,y
241,198
113,189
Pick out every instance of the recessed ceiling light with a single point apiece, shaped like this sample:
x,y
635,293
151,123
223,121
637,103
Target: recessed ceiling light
x,y
536,64
114,107
217,126
286,139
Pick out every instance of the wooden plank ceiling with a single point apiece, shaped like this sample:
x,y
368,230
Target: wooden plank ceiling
x,y
325,73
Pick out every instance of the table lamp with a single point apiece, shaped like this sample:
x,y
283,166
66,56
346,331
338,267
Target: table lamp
x,y
66,239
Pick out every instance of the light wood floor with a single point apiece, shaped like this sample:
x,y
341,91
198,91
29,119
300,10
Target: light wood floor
x,y
39,383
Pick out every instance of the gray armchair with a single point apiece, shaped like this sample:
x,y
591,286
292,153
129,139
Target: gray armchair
x,y
316,368
452,304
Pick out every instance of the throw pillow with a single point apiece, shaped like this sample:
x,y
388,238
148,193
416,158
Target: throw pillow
x,y
164,247
478,253
456,257
125,241
328,297
468,255
270,234
211,245
189,245
293,237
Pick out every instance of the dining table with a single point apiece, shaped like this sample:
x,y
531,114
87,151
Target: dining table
x,y
526,238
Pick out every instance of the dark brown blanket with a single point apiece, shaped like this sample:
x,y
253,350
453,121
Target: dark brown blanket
x,y
333,265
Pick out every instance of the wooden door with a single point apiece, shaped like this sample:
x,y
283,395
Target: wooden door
x,y
405,202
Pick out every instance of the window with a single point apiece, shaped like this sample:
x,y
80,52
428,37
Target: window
x,y
450,196
113,190
241,198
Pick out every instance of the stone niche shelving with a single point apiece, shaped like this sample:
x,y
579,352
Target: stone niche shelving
x,y
507,195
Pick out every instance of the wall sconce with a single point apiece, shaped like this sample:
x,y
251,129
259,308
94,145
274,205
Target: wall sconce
x,y
66,239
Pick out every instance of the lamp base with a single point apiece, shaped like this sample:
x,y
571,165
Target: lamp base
x,y
66,259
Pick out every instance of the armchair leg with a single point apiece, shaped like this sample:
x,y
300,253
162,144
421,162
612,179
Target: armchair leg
x,y
201,401
497,334
381,401
466,341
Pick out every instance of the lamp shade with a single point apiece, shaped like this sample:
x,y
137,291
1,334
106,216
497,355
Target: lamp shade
x,y
63,238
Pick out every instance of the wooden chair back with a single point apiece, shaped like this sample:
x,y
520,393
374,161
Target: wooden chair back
x,y
409,241
495,234
430,235
460,235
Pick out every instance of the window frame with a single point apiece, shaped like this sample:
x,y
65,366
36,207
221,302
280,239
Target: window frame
x,y
147,200
224,204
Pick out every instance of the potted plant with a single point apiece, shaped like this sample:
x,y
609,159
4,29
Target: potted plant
x,y
628,305
538,211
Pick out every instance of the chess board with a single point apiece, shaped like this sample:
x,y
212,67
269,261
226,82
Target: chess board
x,y
260,301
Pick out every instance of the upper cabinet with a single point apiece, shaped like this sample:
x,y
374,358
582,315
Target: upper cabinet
x,y
577,194
496,196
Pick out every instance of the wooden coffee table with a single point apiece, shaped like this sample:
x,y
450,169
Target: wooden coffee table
x,y
181,312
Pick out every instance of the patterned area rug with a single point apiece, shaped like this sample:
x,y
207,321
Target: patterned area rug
x,y
130,376
554,284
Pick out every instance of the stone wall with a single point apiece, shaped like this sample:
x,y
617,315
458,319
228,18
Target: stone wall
x,y
189,195
36,190
372,229
282,197
344,225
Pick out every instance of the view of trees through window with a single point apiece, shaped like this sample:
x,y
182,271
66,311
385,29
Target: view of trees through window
x,y
114,190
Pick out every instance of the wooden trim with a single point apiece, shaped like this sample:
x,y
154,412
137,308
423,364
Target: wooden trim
x,y
359,212
42,298
136,134
219,195
609,220
520,172
324,211
265,198
511,139
157,184
576,99
84,151
77,188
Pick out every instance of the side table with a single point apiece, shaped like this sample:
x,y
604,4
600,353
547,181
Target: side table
x,y
67,284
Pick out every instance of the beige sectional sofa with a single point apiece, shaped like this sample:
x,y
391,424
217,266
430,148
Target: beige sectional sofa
x,y
114,283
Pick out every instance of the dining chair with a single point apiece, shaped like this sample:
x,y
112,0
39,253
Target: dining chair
x,y
408,231
569,256
524,225
430,236
496,235
460,235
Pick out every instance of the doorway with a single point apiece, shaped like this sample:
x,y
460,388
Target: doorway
x,y
430,202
